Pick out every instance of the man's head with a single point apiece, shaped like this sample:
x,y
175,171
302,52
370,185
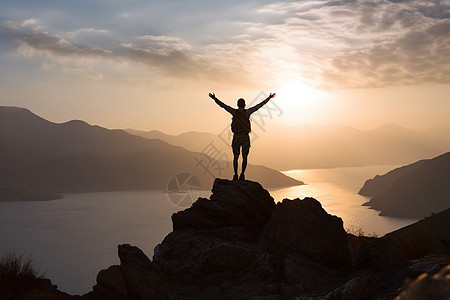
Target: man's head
x,y
241,103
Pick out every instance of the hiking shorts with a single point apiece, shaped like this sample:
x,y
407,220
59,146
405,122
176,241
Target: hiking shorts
x,y
241,140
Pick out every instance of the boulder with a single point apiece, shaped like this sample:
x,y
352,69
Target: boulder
x,y
135,278
363,287
305,228
241,205
214,241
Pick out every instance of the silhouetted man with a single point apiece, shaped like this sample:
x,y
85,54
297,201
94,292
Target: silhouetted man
x,y
241,128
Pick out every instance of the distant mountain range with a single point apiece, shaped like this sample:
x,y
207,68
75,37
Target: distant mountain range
x,y
312,146
415,190
42,156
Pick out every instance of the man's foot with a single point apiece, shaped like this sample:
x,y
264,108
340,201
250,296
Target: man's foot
x,y
242,177
235,177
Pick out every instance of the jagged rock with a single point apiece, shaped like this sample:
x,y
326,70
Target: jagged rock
x,y
135,278
240,205
303,276
364,287
386,285
432,287
304,227
383,254
111,284
191,256
214,241
430,265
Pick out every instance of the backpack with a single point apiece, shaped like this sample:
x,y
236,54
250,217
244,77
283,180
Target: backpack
x,y
240,122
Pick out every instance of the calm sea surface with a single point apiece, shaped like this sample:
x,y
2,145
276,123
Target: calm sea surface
x,y
72,239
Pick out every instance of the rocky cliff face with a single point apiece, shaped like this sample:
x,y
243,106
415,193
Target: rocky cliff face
x,y
239,244
414,191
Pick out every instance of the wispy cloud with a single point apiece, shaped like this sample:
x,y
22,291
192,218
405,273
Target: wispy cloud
x,y
164,55
28,22
283,8
31,42
418,57
81,31
165,42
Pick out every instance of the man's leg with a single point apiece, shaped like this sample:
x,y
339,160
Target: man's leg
x,y
244,162
236,149
235,165
245,151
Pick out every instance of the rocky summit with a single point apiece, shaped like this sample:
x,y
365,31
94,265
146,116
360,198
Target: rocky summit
x,y
239,244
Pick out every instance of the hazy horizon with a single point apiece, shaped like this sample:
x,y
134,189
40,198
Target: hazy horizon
x,y
180,130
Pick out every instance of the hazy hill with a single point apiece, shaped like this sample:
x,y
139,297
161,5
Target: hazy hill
x,y
192,140
416,190
379,184
11,195
313,146
74,156
425,237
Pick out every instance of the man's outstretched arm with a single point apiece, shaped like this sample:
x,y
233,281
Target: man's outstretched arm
x,y
221,104
261,104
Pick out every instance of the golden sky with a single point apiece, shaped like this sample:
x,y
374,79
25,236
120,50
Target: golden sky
x,y
151,64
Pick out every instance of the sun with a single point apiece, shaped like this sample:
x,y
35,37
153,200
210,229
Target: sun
x,y
300,102
298,96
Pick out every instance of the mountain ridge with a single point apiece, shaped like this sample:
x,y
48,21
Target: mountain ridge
x,y
74,156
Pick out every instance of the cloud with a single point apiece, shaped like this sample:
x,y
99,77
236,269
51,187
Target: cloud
x,y
164,55
173,61
89,31
165,42
28,22
337,43
282,8
44,43
365,44
33,42
418,57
